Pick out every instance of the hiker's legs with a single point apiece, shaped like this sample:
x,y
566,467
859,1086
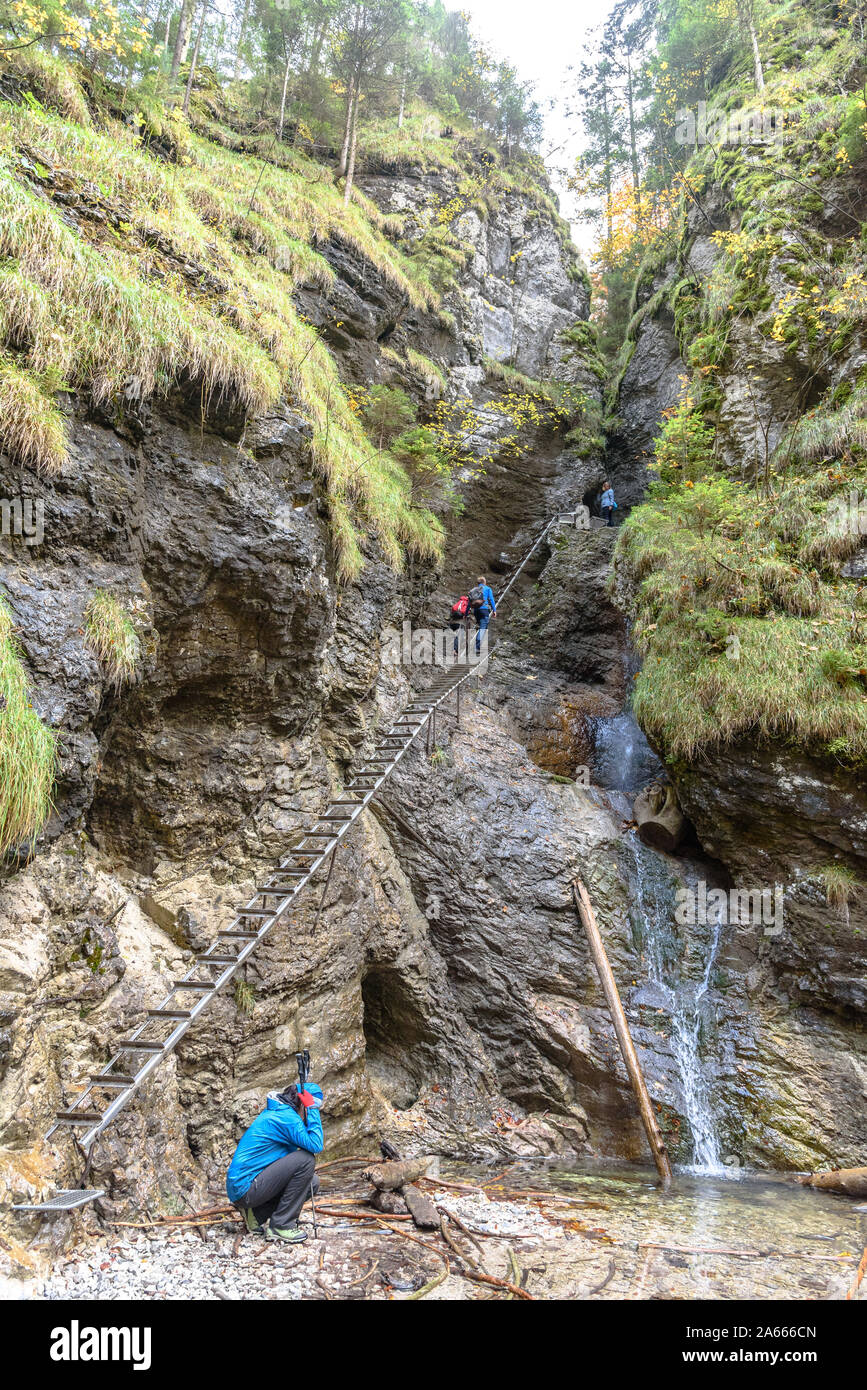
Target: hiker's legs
x,y
300,1175
268,1190
482,627
609,513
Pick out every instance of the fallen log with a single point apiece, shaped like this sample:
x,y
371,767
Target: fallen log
x,y
852,1182
389,1203
392,1175
421,1208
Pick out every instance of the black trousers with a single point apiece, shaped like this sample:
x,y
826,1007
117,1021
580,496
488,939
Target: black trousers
x,y
281,1189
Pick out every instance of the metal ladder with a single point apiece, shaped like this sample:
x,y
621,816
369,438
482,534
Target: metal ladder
x,y
137,1056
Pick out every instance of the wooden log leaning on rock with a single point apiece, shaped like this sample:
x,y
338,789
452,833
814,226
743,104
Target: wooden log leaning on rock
x,y
660,821
584,908
390,1176
421,1208
852,1182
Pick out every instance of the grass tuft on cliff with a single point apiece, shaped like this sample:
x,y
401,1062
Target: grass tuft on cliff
x,y
28,749
122,276
109,633
738,609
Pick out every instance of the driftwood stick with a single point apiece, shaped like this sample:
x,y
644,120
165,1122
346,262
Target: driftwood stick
x,y
473,1270
359,1215
597,1288
432,1283
584,908
859,1275
743,1254
395,1230
462,1227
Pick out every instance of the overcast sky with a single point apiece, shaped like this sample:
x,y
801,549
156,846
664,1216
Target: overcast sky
x,y
542,38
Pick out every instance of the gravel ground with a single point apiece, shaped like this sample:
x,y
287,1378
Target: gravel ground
x,y
591,1236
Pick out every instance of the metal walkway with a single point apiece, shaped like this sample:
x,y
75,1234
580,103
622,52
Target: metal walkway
x,y
137,1056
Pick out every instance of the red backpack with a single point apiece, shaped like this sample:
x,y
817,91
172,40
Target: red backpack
x,y
459,609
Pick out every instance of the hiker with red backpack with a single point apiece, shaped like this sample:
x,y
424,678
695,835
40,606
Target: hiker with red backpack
x,y
483,607
459,617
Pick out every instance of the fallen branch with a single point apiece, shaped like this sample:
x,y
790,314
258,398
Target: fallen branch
x,y
859,1275
473,1270
432,1283
597,1288
358,1215
364,1278
744,1254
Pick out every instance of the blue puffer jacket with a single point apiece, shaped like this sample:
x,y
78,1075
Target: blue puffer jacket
x,y
276,1130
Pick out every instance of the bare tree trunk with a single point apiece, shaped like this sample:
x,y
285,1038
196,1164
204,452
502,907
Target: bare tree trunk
x,y
747,23
283,97
168,27
182,38
757,60
347,129
350,173
633,143
237,68
400,113
195,59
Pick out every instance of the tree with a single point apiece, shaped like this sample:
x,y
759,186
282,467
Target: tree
x,y
182,38
362,50
387,411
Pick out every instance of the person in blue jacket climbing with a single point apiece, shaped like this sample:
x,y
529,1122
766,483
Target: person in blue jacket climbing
x,y
273,1170
483,606
608,504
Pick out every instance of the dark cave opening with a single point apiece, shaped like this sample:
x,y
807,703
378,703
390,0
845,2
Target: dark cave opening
x,y
398,1046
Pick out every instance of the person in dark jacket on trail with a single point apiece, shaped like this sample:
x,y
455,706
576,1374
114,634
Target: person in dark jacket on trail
x,y
483,606
273,1169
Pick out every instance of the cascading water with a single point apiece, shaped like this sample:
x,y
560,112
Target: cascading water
x,y
686,1002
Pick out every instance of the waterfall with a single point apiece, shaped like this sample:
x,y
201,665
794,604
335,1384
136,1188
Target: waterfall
x,y
684,1002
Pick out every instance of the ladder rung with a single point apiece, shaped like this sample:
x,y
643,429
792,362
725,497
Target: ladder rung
x,y
116,1080
253,912
137,1045
229,935
336,818
77,1117
314,835
200,986
169,1013
217,960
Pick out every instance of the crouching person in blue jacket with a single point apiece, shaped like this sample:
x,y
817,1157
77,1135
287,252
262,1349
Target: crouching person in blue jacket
x,y
273,1169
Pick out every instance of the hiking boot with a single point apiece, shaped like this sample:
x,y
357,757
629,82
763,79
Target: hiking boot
x,y
292,1235
253,1226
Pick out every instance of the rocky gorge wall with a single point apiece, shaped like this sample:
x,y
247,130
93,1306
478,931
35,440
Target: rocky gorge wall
x,y
788,1061
445,991
260,680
